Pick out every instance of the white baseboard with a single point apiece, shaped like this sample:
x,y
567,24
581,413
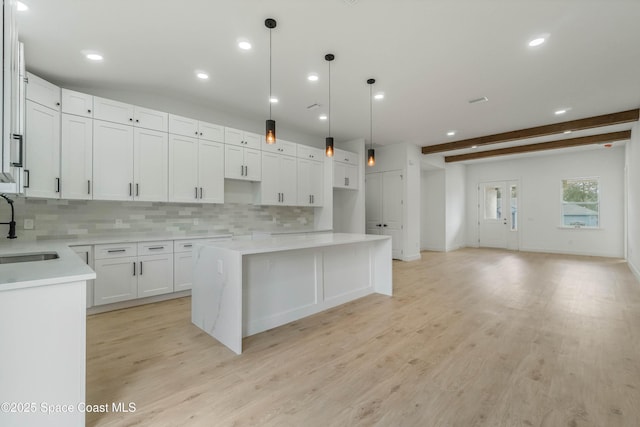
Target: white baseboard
x,y
413,257
96,309
634,270
433,248
563,252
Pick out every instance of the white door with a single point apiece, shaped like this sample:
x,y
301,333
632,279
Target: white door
x,y
253,164
392,204
497,218
155,275
233,162
116,280
211,172
183,169
373,203
43,151
151,152
76,157
270,190
78,103
112,161
112,111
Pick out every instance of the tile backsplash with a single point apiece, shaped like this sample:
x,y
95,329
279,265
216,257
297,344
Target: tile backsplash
x,y
71,219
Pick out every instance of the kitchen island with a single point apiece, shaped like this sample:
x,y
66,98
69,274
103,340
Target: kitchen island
x,y
241,288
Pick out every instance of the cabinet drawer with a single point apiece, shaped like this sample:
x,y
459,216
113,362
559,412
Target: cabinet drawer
x,y
155,248
312,153
181,246
115,250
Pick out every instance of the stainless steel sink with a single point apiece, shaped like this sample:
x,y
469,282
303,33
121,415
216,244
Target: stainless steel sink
x,y
40,256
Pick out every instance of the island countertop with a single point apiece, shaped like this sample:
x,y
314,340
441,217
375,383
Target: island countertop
x,y
287,243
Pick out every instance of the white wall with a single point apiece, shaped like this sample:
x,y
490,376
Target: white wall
x,y
455,185
633,200
540,195
432,213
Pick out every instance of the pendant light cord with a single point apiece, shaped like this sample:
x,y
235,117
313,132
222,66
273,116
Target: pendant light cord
x,y
329,97
270,93
371,115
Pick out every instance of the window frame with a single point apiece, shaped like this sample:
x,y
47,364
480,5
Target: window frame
x,y
563,203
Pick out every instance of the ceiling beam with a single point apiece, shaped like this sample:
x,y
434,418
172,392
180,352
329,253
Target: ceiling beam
x,y
573,125
552,145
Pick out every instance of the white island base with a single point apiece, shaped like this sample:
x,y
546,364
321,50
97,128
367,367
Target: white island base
x,y
241,288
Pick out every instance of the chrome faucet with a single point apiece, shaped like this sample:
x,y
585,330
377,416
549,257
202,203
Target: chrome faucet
x,y
12,223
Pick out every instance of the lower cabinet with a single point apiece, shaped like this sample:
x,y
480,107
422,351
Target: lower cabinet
x,y
132,270
86,254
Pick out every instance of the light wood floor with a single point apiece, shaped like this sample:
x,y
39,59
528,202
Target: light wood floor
x,y
474,337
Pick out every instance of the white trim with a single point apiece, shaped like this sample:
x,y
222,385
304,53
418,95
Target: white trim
x,y
634,270
566,252
96,309
413,257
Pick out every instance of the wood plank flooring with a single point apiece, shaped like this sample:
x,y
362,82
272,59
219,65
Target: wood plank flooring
x,y
475,337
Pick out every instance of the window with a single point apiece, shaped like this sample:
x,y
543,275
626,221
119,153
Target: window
x,y
492,203
580,203
514,207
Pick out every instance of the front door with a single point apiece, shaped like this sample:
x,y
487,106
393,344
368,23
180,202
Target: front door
x,y
498,214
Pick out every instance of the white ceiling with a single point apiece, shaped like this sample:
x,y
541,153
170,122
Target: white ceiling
x,y
429,58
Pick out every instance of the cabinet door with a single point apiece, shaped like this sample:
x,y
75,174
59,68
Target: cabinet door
x,y
183,126
288,180
211,172
151,165
233,162
155,275
116,280
373,202
253,164
43,151
316,180
182,271
76,157
85,253
270,190
233,136
43,92
210,132
252,140
339,175
112,161
112,111
304,182
351,173
150,119
77,103
183,169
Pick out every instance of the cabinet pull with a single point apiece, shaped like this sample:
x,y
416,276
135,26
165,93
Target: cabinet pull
x,y
309,198
57,185
378,225
196,132
20,139
187,246
112,251
141,268
57,104
88,111
384,225
196,192
130,189
134,268
130,119
200,133
241,170
345,181
27,178
88,186
201,192
313,198
138,121
155,248
246,171
137,189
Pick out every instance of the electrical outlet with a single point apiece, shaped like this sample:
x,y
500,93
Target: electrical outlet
x,y
29,224
118,221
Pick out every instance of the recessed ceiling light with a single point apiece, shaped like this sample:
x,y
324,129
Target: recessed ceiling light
x,y
379,95
559,112
451,133
537,41
273,99
313,77
323,117
201,75
474,146
477,100
21,7
244,45
94,56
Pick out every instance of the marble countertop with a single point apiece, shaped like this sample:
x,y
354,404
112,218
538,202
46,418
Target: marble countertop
x,y
286,243
67,268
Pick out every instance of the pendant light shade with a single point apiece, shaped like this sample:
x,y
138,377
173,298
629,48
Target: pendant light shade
x,y
329,140
371,153
270,132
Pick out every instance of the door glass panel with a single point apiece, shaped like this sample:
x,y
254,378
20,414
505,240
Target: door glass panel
x,y
492,203
514,208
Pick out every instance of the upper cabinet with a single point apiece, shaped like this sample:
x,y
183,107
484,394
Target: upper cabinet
x,y
345,169
242,138
77,103
127,114
281,147
185,126
310,176
42,166
43,92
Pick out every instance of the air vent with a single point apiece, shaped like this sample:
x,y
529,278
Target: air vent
x,y
313,106
478,100
350,2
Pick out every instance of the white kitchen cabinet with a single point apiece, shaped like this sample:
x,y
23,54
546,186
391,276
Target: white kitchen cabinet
x,y
310,153
281,147
155,272
279,179
210,132
76,160
242,163
85,253
42,159
150,168
345,176
310,182
127,114
185,126
242,138
116,280
77,103
196,170
384,206
112,161
42,92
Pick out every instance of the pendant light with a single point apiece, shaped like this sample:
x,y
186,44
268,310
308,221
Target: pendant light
x,y
329,140
270,135
371,153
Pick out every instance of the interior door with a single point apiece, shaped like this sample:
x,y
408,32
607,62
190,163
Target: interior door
x,y
497,214
373,203
392,210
